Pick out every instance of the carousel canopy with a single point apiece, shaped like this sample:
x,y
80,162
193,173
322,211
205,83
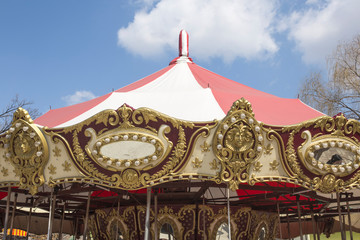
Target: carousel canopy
x,y
186,91
97,170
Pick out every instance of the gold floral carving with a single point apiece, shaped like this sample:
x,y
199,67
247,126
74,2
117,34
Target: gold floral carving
x,y
214,164
5,172
5,157
268,149
57,152
67,166
52,169
257,166
205,147
197,162
27,151
274,165
237,143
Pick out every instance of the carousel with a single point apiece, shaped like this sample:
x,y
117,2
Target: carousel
x,y
181,154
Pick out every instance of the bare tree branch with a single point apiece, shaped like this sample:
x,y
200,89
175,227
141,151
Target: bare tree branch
x,y
341,92
6,114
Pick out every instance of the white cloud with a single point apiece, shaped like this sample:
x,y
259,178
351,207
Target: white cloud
x,y
78,97
217,28
318,30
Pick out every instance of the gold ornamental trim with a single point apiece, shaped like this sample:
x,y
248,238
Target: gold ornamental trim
x,y
335,132
237,143
27,151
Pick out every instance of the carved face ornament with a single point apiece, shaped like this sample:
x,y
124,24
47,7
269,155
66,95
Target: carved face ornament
x,y
22,144
239,138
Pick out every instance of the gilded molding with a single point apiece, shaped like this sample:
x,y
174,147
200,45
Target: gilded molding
x,y
27,151
238,143
337,135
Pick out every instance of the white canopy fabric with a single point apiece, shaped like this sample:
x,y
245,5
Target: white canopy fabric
x,y
186,91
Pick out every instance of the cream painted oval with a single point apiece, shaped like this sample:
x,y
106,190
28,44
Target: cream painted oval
x,y
127,150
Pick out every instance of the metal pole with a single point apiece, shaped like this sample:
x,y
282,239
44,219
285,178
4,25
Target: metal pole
x,y
344,221
137,224
76,228
29,219
7,212
343,237
349,217
13,216
86,216
117,222
204,219
147,218
61,222
299,218
313,220
228,210
288,225
278,210
51,213
317,226
156,215
196,220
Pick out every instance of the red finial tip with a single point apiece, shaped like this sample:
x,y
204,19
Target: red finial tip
x,y
183,44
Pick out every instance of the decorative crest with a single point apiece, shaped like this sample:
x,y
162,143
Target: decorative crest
x,y
237,143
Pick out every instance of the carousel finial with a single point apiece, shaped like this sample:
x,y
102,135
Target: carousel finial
x,y
183,43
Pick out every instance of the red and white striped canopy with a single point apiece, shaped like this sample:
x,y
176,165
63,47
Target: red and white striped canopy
x,y
186,91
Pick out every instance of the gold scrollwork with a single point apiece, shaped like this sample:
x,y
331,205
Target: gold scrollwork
x,y
237,143
335,133
27,151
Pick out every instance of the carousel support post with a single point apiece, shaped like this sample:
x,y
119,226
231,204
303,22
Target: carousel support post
x,y
313,220
204,218
344,220
288,225
228,210
86,216
299,216
196,220
317,226
156,215
343,237
147,220
348,212
29,219
13,216
51,213
117,222
278,210
7,212
76,228
137,224
62,222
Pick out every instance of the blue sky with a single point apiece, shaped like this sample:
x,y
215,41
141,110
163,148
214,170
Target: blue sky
x,y
55,53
